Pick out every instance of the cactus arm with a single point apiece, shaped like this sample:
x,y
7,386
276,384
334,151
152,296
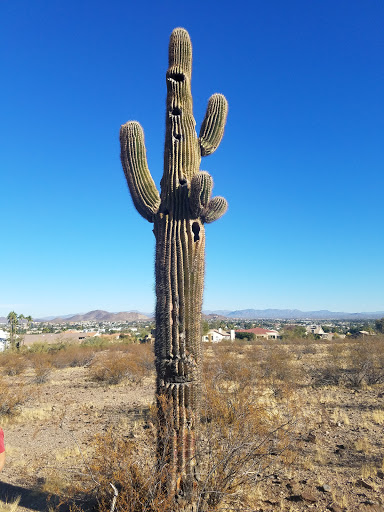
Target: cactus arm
x,y
212,128
215,209
200,202
201,189
134,161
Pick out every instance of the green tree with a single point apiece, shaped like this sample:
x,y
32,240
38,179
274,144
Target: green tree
x,y
20,319
29,319
12,321
204,327
294,331
245,335
379,325
48,328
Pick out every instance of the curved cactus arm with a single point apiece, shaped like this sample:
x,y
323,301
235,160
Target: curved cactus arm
x,y
201,190
212,128
134,161
215,209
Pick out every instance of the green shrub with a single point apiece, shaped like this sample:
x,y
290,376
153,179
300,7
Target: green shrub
x,y
245,336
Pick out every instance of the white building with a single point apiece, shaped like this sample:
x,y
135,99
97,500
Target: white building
x,y
315,329
217,335
3,340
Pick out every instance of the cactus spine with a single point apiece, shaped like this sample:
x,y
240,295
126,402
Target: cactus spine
x,y
178,214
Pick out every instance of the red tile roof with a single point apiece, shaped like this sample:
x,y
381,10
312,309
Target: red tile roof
x,y
255,330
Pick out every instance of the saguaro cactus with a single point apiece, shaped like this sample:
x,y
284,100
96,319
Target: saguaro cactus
x,y
178,214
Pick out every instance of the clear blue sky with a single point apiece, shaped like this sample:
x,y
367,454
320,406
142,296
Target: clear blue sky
x,y
301,163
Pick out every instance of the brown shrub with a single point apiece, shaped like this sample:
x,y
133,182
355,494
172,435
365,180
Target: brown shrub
x,y
365,362
129,466
73,356
12,395
280,369
353,363
12,364
229,366
243,428
42,364
142,353
113,367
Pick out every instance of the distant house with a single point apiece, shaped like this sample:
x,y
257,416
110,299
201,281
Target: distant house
x,y
217,335
362,334
315,329
148,338
3,340
63,337
259,332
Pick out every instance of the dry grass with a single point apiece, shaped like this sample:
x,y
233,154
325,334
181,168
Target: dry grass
x,y
12,364
10,506
114,366
271,413
245,429
363,445
12,396
128,465
378,416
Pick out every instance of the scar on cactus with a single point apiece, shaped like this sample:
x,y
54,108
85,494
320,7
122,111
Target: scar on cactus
x,y
179,214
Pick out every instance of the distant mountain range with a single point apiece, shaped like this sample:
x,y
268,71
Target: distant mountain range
x,y
244,314
97,316
294,314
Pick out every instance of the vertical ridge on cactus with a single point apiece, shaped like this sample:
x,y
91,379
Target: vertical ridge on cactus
x,y
178,213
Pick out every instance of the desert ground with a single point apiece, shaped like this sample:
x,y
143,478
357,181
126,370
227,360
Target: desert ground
x,y
299,423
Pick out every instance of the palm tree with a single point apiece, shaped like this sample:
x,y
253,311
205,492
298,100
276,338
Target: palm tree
x,y
20,319
19,340
12,320
29,319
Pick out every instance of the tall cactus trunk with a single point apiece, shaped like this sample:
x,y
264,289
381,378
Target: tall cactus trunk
x,y
178,215
179,291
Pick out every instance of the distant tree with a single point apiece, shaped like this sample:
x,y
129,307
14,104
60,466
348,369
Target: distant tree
x,y
355,329
29,319
12,321
294,331
379,325
20,319
245,336
204,327
217,324
48,328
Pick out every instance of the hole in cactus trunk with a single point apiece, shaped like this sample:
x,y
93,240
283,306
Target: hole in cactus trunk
x,y
177,136
177,77
182,181
176,111
196,231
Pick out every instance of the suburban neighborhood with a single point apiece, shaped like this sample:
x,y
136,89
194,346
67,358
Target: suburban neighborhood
x,y
215,329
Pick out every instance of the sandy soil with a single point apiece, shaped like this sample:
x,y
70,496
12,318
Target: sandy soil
x,y
48,441
336,462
